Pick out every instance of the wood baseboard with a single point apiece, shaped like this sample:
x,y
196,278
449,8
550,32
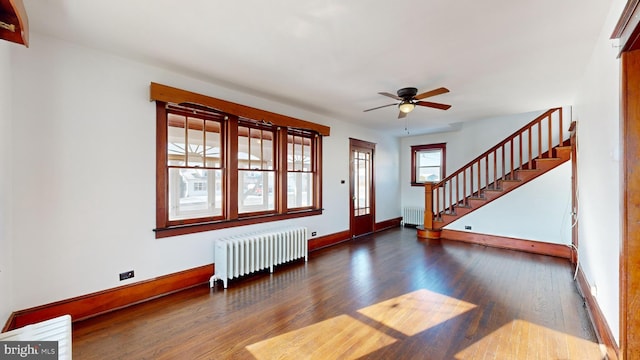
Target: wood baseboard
x,y
328,240
90,305
536,247
600,325
86,306
387,224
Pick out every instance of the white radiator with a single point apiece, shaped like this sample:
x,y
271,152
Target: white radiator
x,y
57,329
240,255
413,216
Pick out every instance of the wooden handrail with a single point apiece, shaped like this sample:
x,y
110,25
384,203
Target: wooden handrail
x,y
439,197
506,140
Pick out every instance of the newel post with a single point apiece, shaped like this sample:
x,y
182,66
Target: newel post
x,y
428,205
427,231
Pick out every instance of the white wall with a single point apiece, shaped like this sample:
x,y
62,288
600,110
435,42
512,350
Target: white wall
x,y
597,114
6,259
84,172
472,139
532,207
540,211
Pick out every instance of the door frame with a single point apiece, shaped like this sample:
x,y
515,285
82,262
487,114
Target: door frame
x,y
355,143
628,31
574,191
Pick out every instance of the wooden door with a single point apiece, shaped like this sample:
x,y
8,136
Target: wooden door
x,y
362,194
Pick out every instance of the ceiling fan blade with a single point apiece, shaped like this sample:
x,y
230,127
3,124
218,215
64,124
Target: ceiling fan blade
x,y
390,95
434,92
401,114
433,105
380,107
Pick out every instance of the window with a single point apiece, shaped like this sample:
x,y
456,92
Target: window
x,y
256,169
427,163
193,164
221,164
300,168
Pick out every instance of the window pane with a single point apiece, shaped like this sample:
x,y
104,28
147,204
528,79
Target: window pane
x,y
306,149
267,153
299,190
255,148
299,153
431,174
194,193
362,163
429,165
255,144
213,146
362,175
255,191
243,147
429,158
195,142
175,133
290,140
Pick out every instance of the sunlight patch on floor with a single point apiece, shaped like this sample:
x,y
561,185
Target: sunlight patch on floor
x,y
340,337
344,337
416,311
524,340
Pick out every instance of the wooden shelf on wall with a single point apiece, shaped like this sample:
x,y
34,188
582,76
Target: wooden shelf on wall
x,y
14,25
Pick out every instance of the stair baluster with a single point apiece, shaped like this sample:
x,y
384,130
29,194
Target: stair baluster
x,y
442,207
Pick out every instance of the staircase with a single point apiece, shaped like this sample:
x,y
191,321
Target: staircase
x,y
536,148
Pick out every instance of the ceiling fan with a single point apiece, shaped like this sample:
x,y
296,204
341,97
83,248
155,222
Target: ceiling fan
x,y
408,100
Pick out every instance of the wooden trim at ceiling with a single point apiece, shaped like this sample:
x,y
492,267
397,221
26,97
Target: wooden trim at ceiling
x,y
536,247
14,16
170,94
600,325
90,305
627,29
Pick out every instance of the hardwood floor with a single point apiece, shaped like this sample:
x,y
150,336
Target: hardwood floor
x,y
386,296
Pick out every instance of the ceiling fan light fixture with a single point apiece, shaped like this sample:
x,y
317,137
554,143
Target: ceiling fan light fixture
x,y
406,106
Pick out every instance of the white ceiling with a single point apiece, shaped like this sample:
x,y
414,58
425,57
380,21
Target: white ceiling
x,y
333,56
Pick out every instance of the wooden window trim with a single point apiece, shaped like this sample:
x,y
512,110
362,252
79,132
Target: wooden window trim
x,y
170,94
235,115
416,148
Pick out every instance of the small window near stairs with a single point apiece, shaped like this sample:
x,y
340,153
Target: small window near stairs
x,y
427,163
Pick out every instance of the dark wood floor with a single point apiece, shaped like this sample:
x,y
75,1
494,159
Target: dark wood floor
x,y
386,296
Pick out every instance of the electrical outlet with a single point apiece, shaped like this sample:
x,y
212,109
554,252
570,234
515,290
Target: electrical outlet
x,y
313,233
467,227
126,275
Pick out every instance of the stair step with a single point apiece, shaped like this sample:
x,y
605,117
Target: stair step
x,y
513,179
493,189
462,206
509,184
476,202
547,163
